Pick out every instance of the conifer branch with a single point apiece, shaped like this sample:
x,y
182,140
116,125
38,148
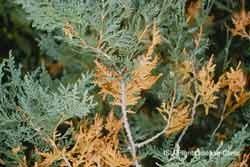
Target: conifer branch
x,y
70,32
67,161
126,123
221,117
141,144
98,51
218,126
191,122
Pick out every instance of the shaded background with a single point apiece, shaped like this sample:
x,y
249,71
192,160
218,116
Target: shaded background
x,y
17,35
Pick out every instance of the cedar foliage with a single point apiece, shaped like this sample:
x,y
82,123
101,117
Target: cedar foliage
x,y
135,51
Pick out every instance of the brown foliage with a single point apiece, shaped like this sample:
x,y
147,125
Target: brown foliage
x,y
141,78
92,148
235,82
206,87
201,80
69,31
241,22
243,162
178,117
193,10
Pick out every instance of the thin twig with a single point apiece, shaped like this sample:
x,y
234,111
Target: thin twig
x,y
219,125
67,161
126,124
222,116
195,104
50,141
98,51
141,144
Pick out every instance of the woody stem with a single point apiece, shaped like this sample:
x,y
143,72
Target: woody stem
x,y
126,123
141,144
192,120
222,116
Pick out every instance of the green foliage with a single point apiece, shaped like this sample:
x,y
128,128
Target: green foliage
x,y
222,156
41,115
114,26
32,105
